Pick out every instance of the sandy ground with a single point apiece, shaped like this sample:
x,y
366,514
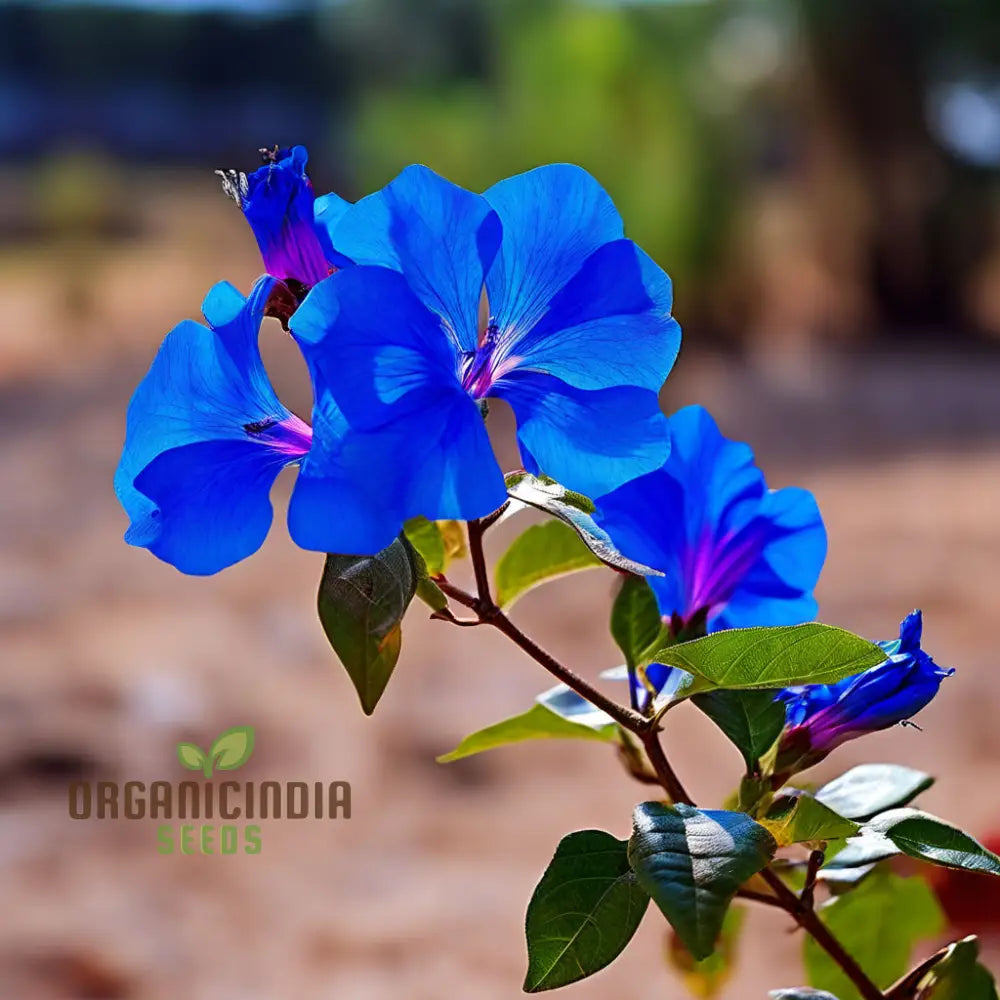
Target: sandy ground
x,y
110,657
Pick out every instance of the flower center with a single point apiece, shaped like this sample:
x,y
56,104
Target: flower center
x,y
476,367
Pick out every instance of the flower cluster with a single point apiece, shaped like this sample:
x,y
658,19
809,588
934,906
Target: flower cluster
x,y
413,308
386,299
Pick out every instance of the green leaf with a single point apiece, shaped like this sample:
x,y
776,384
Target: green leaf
x,y
797,819
959,975
233,748
438,542
425,537
429,540
707,977
868,789
636,623
362,600
583,912
878,922
541,553
692,861
431,594
576,510
538,723
928,838
453,536
801,993
191,756
867,848
773,657
752,720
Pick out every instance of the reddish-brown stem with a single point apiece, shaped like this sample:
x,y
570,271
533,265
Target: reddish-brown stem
x,y
807,919
490,614
476,531
666,774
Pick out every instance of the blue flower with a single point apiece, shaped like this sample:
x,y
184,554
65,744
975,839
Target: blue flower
x,y
206,437
578,342
291,224
733,553
819,717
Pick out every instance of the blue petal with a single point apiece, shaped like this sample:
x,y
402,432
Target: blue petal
x,y
645,518
610,324
368,339
204,385
439,465
910,630
554,218
328,210
720,480
212,502
591,442
723,542
391,421
777,589
440,236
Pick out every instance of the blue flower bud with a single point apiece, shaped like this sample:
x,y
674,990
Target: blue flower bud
x,y
819,717
291,225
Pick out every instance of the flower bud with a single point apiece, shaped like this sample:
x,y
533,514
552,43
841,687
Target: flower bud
x,y
819,717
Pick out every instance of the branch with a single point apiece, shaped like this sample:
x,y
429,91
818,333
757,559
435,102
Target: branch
x,y
811,923
476,531
666,774
808,894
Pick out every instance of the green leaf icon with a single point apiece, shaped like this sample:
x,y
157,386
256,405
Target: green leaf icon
x,y
191,756
233,748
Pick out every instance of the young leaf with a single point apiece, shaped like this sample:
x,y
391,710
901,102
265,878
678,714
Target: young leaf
x,y
774,656
878,922
438,542
797,819
541,553
752,720
576,510
868,789
425,537
928,838
636,623
538,723
707,977
361,603
233,748
583,912
191,756
426,589
431,594
692,861
959,975
801,993
453,537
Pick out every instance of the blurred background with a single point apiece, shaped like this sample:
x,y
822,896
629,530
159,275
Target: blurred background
x,y
821,178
